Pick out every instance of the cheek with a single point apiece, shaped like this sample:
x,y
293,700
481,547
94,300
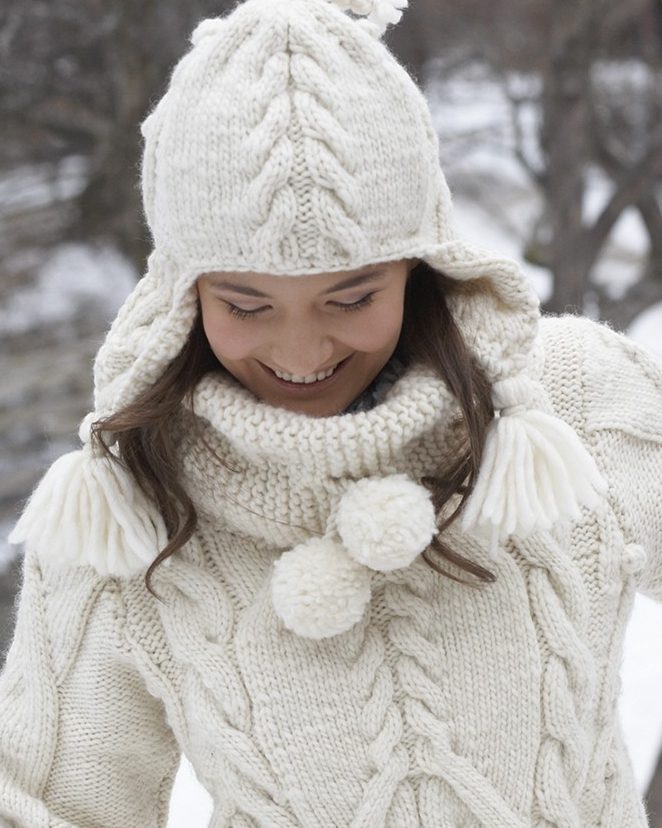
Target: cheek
x,y
228,338
377,328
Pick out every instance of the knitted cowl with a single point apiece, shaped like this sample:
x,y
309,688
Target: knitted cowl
x,y
397,682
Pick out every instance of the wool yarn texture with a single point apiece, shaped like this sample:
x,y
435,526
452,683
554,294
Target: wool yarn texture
x,y
440,705
291,141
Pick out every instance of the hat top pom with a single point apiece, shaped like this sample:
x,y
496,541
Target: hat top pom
x,y
379,14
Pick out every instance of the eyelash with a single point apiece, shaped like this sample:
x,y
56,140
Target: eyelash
x,y
353,306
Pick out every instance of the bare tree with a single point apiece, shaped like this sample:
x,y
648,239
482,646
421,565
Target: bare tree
x,y
599,98
587,123
80,79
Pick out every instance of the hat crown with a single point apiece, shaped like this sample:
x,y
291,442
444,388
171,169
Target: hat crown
x,y
290,141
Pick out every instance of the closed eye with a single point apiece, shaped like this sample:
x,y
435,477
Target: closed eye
x,y
351,306
361,303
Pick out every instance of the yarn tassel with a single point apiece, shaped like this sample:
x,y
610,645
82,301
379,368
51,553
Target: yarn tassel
x,y
535,471
87,510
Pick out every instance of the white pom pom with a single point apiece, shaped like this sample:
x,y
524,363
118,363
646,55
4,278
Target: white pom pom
x,y
385,522
318,590
380,13
88,511
387,12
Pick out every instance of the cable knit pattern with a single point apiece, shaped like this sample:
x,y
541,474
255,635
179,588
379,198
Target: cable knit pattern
x,y
290,141
82,742
442,706
199,614
279,113
560,607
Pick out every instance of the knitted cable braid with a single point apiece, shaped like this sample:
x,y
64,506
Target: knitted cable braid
x,y
427,713
200,610
560,606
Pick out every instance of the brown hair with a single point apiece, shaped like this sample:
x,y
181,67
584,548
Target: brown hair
x,y
429,336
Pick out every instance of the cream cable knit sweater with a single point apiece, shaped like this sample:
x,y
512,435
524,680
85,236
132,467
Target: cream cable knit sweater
x,y
445,706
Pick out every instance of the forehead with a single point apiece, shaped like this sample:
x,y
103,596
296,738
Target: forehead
x,y
266,284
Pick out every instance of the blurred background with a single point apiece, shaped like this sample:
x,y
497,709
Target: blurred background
x,y
549,121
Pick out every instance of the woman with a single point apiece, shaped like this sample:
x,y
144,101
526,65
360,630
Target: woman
x,y
390,596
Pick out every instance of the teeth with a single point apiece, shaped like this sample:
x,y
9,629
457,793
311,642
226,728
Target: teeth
x,y
306,380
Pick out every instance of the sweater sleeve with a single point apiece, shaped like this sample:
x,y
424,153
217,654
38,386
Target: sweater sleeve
x,y
623,387
82,742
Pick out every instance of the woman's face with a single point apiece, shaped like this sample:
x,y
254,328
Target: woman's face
x,y
258,323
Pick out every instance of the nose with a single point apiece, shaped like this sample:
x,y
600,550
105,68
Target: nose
x,y
302,349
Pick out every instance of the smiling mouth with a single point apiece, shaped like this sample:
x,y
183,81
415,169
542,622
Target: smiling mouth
x,y
317,376
307,385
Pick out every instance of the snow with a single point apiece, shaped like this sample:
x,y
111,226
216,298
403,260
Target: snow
x,y
190,804
472,115
29,187
640,701
646,329
481,222
7,552
74,277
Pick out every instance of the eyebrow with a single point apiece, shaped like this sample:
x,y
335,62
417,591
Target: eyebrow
x,y
345,283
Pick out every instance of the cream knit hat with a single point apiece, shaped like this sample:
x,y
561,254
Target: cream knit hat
x,y
290,141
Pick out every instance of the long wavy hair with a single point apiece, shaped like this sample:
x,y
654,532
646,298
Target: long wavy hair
x,y
429,336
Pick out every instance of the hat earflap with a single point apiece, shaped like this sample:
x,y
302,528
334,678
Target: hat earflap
x,y
87,510
535,470
321,587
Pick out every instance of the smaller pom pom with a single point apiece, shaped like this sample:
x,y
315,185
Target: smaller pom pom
x,y
385,522
380,13
318,590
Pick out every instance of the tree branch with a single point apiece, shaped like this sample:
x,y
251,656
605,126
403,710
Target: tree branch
x,y
631,187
